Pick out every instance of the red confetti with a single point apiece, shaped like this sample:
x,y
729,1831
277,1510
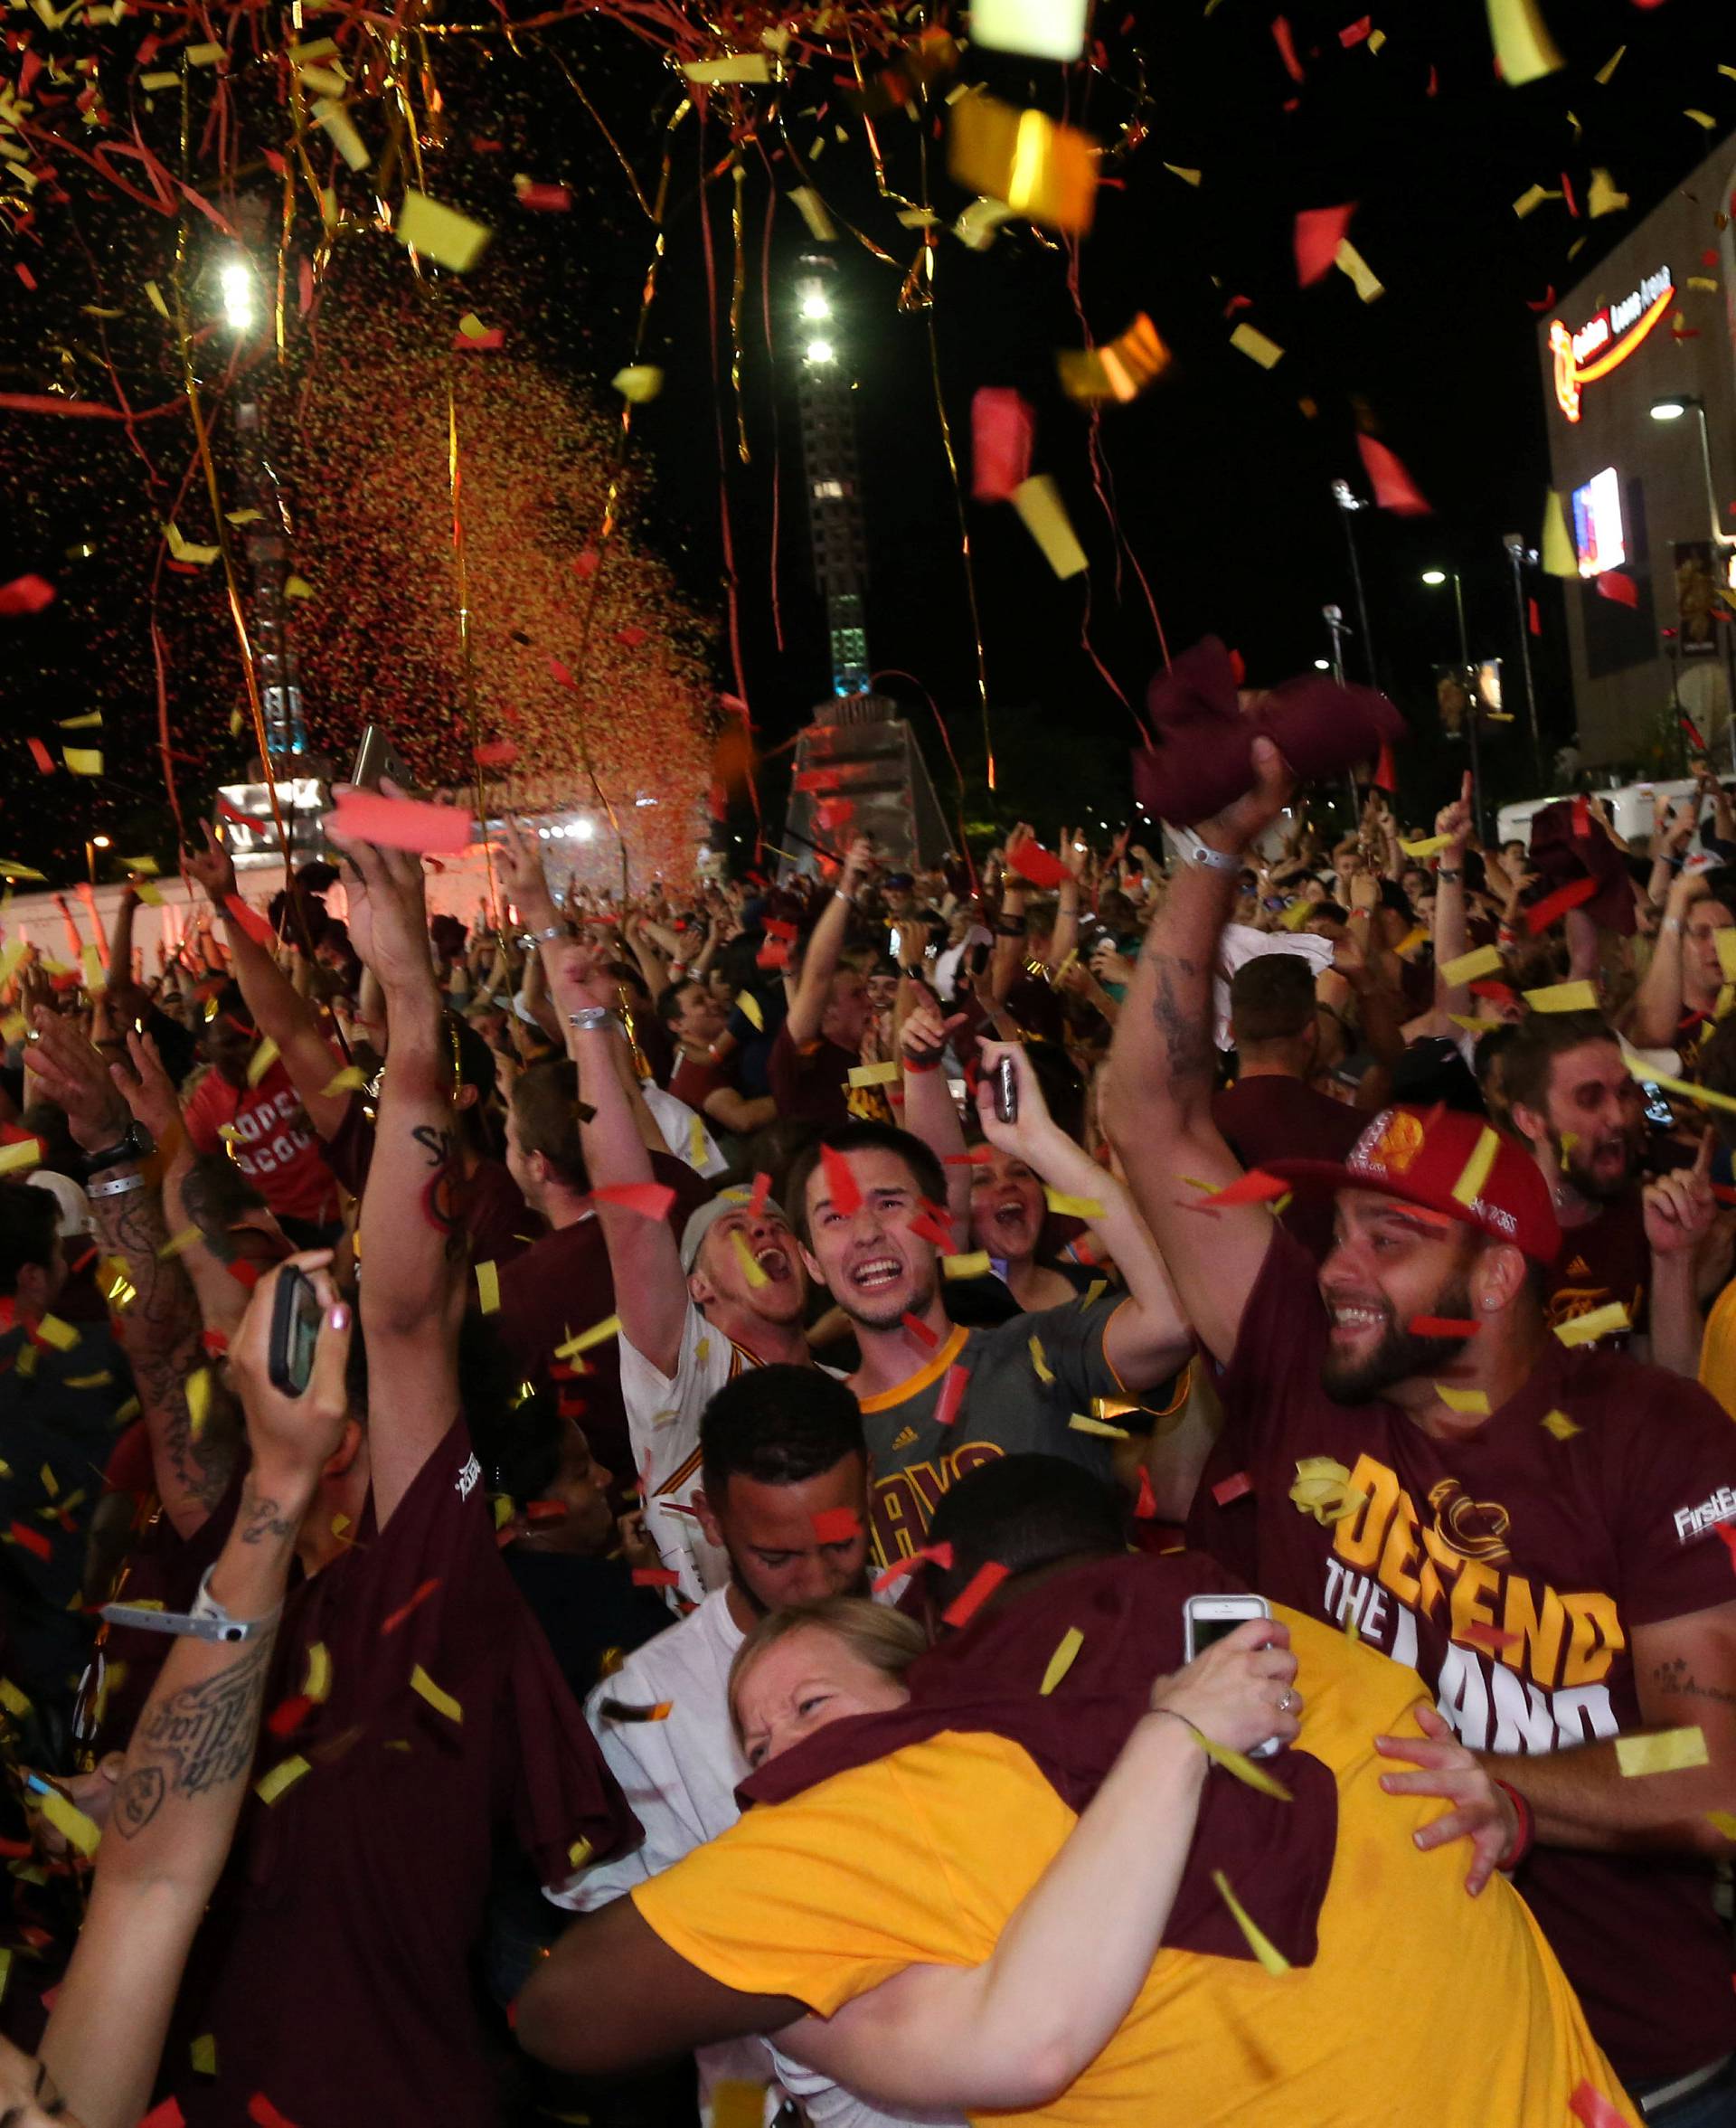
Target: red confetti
x,y
1621,590
289,1716
979,1158
1285,44
251,921
939,1555
545,199
840,1183
1031,861
398,823
1443,1326
1588,2104
496,753
952,1396
1354,33
1533,617
1231,1488
404,1610
761,1191
243,1272
1502,993
1393,488
260,2110
545,1511
25,594
1319,230
655,1577
975,1594
33,1540
1582,817
1255,1187
1491,1639
929,1228
650,1200
215,1342
1002,430
167,2116
919,1330
40,754
1540,915
631,638
488,342
1386,774
586,564
836,1525
1144,1508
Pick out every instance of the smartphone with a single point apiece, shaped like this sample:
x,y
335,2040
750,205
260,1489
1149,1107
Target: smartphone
x,y
1006,1091
1659,1115
1209,1618
295,1317
375,758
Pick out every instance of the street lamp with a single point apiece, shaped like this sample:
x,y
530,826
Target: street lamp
x,y
1521,557
819,350
814,305
235,278
1349,504
1672,408
1434,579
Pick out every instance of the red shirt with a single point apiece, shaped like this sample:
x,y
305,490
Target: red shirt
x,y
695,1079
333,1967
1569,1544
274,1147
811,1084
1607,1259
1269,1118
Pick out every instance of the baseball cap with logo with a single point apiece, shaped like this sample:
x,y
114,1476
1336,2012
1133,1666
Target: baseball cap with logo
x,y
701,1221
1449,1162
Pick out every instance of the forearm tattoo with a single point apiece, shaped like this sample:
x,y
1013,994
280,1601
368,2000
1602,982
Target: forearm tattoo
x,y
443,1196
1180,1012
197,1740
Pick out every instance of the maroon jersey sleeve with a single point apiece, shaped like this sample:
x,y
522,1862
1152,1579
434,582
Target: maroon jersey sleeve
x,y
1280,1342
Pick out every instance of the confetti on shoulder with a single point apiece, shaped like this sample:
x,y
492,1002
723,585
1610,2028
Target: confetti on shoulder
x,y
975,1594
1062,1660
598,1333
440,1701
1045,1373
1600,1322
281,1778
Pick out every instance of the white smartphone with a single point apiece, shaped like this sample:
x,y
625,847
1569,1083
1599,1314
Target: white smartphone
x,y
1208,1618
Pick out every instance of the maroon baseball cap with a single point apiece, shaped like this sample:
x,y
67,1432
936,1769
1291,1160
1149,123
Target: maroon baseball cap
x,y
1428,1156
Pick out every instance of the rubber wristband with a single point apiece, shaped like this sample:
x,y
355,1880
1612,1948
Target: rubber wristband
x,y
1524,1837
913,1069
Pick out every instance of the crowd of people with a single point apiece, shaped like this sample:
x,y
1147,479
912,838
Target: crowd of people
x,y
610,1514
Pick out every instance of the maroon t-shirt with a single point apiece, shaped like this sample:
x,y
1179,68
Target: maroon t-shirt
x,y
333,1967
1269,1118
695,1079
811,1084
498,1224
1607,1259
1616,1529
560,1286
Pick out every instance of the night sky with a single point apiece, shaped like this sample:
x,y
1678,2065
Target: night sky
x,y
1218,478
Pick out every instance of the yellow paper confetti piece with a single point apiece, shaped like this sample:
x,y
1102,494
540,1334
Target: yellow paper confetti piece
x,y
1072,1208
198,1399
1181,170
1244,1769
1560,555
1044,517
1560,1425
96,976
639,383
1256,346
976,1264
750,1270
161,79
1704,120
1474,1026
1670,1751
596,1334
734,66
1259,1942
748,1004
281,1778
1323,1490
736,2103
1563,997
488,1288
696,1142
1600,1322
203,2052
27,1152
1080,1424
811,207
1476,1171
261,1060
184,550
889,1073
1725,942
316,1685
442,1702
1466,968
1349,260
203,55
82,760
1043,170
77,1829
1639,1069
12,1699
579,1854
1093,1292
340,130
442,233
1295,915
352,1078
1531,199
1061,1660
1431,845
243,516
90,722
51,1484
61,1335
1045,1374
154,295
1472,1402
297,587
1604,196
1524,49
98,1381
1723,1821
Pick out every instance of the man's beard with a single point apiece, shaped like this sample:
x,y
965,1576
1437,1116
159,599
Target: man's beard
x,y
1400,1355
857,1309
1600,1189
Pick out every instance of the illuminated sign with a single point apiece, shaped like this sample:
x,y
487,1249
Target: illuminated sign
x,y
1607,341
1597,524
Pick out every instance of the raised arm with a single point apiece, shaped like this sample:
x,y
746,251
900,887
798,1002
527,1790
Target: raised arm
x,y
191,1754
280,1012
1657,1005
1156,1103
160,1327
411,1241
930,1113
825,943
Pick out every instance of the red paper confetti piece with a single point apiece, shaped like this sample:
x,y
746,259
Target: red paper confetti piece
x,y
1357,33
761,1191
1491,1639
1319,230
40,754
979,1158
1002,430
33,1540
1443,1326
1031,861
496,753
25,594
215,1342
1502,993
545,199
836,1525
840,1183
167,2116
1144,1508
545,1511
251,921
1589,2106
1534,618
1393,488
404,1610
655,1577
260,2110
650,1200
1231,1488
1540,915
1255,1187
928,1228
289,1714
952,1395
398,823
1621,590
916,1327
975,1594
1285,43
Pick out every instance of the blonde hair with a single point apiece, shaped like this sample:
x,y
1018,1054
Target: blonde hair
x,y
887,1640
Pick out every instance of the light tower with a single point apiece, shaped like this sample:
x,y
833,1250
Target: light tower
x,y
858,769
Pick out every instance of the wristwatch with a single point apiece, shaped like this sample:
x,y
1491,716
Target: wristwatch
x,y
137,1145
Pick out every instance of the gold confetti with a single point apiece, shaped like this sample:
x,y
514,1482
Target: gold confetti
x,y
442,233
811,207
1349,260
316,1685
1600,1322
1256,346
61,1335
1560,555
1431,845
204,2054
1323,1490
155,296
1244,1769
282,1777
1062,1660
198,1399
184,550
71,1822
82,760
12,1699
488,1288
1609,66
1704,1096
889,1073
1476,1171
352,1078
1072,1208
736,2103
27,1152
442,1702
1563,998
1532,199
579,1854
1670,1751
1045,1374
1604,197
1044,517
748,1004
1467,967
639,383
1080,1424
978,1264
1560,1425
734,66
750,1270
1723,1821
297,587
1043,170
261,1060
1259,1942
340,130
1524,49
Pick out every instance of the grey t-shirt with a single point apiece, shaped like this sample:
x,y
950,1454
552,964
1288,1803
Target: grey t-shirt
x,y
1008,1409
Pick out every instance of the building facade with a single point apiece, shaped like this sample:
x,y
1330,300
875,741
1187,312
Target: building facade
x,y
1639,381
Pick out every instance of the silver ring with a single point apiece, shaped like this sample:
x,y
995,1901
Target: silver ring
x,y
1286,1702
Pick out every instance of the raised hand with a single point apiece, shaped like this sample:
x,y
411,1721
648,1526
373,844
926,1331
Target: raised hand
x,y
1679,1207
70,1072
518,865
292,1437
1230,831
146,1087
212,866
388,915
1455,820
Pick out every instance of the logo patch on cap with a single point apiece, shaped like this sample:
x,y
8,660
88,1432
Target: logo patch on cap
x,y
1389,1144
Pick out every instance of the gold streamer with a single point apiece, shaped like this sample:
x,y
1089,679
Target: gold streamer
x,y
738,283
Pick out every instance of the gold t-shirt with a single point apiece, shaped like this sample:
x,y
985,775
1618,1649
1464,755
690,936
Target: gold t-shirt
x,y
1422,2003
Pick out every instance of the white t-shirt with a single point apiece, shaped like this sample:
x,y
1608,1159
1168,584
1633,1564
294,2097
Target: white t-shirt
x,y
679,1776
663,1416
676,1120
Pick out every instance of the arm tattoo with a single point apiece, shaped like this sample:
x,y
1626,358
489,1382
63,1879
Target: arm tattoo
x,y
263,1520
443,1198
1182,1025
198,1739
1675,1677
